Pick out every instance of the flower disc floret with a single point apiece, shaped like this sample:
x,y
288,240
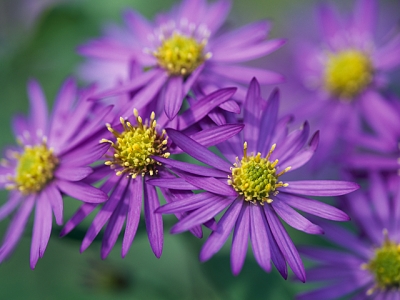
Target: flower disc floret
x,y
35,168
180,54
134,147
385,266
256,178
347,73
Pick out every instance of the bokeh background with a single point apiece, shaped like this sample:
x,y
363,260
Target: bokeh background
x,y
38,39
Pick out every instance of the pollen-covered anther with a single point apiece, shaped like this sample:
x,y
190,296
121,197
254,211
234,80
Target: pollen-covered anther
x,y
347,73
256,177
180,54
385,266
134,147
35,168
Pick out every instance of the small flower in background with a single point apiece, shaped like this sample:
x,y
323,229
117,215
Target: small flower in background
x,y
251,188
180,51
52,159
367,267
344,73
130,163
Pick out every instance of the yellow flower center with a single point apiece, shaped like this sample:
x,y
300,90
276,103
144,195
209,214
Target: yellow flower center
x,y
134,147
35,169
255,177
180,55
385,266
347,73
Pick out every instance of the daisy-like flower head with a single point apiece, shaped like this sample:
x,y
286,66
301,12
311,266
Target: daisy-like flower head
x,y
180,51
343,73
252,189
366,267
50,160
134,144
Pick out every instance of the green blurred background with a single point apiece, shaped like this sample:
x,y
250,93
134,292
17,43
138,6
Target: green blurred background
x,y
38,39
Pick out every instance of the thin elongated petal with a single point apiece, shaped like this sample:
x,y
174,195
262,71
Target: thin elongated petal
x,y
378,196
154,224
190,203
314,207
285,244
190,168
202,107
105,49
276,254
104,214
12,202
251,115
294,219
85,156
268,122
78,217
329,20
259,237
114,227
140,27
16,227
201,215
41,229
133,217
365,13
173,96
82,191
172,183
54,197
67,173
218,237
217,14
321,187
240,240
198,151
39,114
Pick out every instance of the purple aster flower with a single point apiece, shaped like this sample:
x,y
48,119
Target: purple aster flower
x,y
249,186
129,165
367,267
180,51
342,74
50,160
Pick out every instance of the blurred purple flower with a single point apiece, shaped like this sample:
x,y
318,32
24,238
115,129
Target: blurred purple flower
x,y
343,73
366,267
180,51
51,159
129,166
250,187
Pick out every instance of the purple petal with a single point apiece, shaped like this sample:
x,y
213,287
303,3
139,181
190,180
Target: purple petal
x,y
294,219
332,257
240,240
268,122
201,215
202,107
81,191
314,207
329,21
365,14
154,224
104,214
38,106
173,96
321,187
85,156
217,14
251,115
54,197
139,26
114,227
68,173
191,168
133,217
244,74
190,203
172,183
192,79
16,227
276,254
198,151
41,229
246,53
12,202
78,217
285,244
218,237
259,237
378,196
106,49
